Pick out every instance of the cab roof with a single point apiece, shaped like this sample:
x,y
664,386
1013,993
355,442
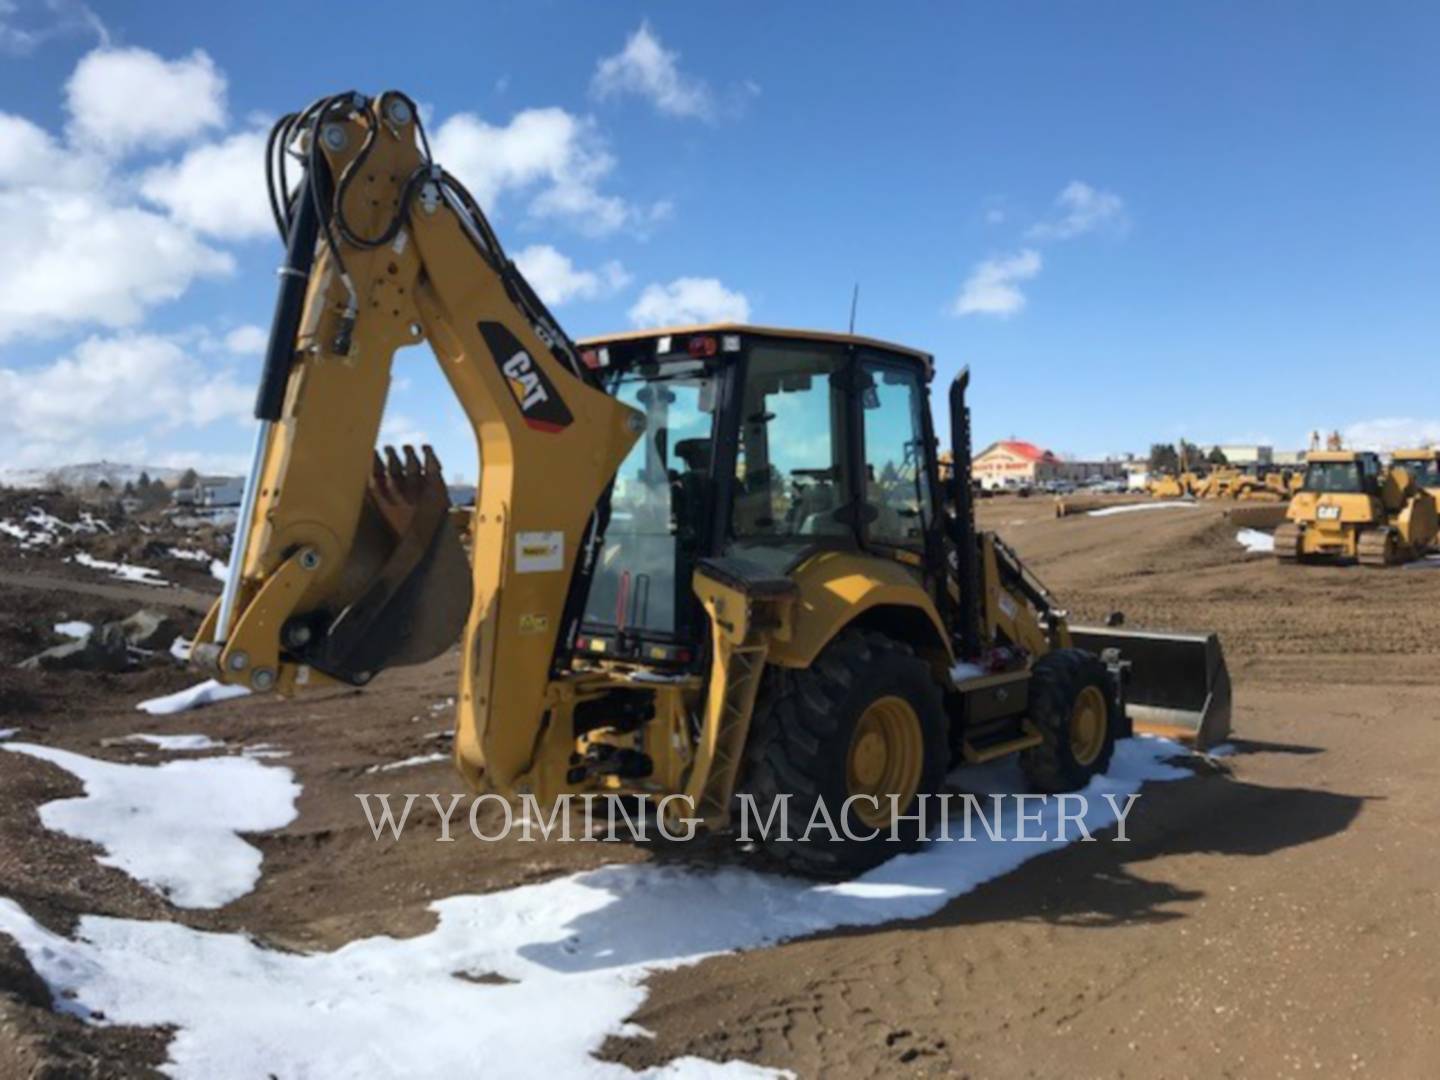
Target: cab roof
x,y
1335,455
827,336
1416,455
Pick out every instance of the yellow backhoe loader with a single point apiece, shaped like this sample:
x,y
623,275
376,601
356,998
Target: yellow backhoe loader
x,y
706,561
1351,507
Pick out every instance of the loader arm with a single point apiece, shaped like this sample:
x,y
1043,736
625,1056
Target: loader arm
x,y
345,562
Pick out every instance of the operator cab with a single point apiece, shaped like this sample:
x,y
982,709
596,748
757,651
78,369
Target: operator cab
x,y
764,444
1342,473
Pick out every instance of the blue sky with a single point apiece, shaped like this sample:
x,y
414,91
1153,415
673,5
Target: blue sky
x,y
1133,222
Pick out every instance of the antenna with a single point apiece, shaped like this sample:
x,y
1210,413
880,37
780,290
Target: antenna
x,y
854,303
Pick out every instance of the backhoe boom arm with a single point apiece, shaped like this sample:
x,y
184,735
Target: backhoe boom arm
x,y
345,562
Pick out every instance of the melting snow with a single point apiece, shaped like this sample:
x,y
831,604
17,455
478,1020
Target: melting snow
x,y
9,732
205,693
174,827
75,629
263,750
963,671
588,940
1162,505
409,762
191,554
178,742
45,528
142,575
1255,541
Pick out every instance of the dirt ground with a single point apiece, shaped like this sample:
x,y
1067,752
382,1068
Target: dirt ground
x,y
1274,915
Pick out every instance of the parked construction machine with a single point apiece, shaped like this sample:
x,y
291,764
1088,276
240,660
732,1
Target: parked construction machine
x,y
1351,507
1423,466
706,561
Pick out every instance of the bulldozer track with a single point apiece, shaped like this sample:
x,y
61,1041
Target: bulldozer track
x,y
1376,547
1287,542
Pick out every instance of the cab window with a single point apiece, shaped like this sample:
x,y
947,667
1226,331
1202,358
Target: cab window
x,y
790,468
896,482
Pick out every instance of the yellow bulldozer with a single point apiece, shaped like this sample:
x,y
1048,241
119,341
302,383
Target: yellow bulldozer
x,y
707,561
1423,467
1352,507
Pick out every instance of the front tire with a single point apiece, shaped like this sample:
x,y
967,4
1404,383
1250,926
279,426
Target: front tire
x,y
866,719
1073,708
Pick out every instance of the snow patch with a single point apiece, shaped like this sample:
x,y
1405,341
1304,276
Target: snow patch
x,y
205,693
180,649
189,554
263,750
9,732
1255,541
45,529
1167,504
963,671
178,742
141,575
74,629
589,940
174,827
410,762
219,570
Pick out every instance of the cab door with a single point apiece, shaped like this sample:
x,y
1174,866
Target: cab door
x,y
897,481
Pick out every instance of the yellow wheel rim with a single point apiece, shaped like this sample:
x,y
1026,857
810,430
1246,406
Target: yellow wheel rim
x,y
886,751
1088,721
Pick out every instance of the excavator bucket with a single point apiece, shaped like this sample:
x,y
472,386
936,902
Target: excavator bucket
x,y
416,586
1177,684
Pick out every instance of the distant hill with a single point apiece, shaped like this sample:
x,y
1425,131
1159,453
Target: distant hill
x,y
86,477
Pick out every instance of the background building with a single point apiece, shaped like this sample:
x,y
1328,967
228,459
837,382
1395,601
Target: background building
x,y
1014,463
1241,456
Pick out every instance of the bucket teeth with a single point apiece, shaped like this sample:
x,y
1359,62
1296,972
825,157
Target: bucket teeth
x,y
400,484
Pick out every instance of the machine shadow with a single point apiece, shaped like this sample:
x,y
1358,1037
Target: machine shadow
x,y
1101,884
679,907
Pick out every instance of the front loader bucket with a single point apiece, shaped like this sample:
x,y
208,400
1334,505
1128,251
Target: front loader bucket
x,y
1178,684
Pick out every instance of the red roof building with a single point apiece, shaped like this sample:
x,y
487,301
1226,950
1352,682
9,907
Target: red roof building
x,y
1013,463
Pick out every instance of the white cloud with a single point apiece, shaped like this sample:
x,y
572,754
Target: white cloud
x,y
248,340
992,287
106,385
124,99
29,155
74,257
689,300
644,67
217,189
1082,209
61,17
80,251
558,281
401,430
553,156
1392,433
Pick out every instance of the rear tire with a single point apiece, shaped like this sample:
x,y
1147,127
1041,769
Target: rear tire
x,y
1073,709
818,733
